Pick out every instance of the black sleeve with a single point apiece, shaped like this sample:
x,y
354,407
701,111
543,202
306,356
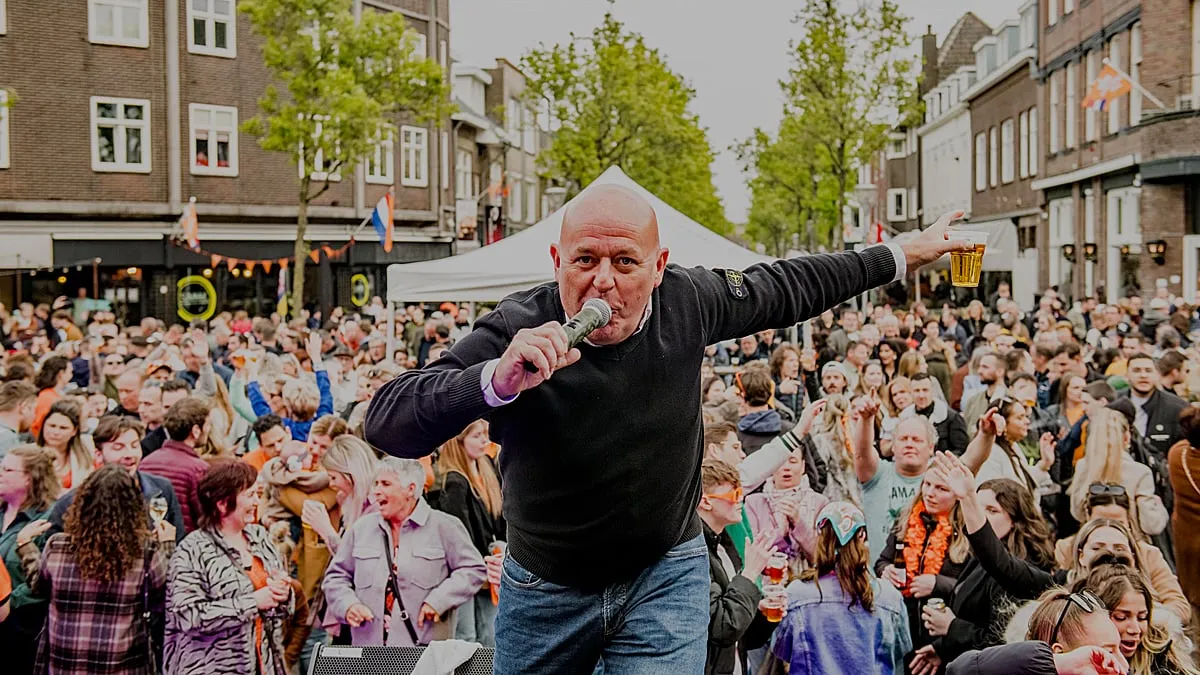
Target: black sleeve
x,y
786,292
421,409
455,498
959,438
58,512
962,636
1019,658
887,557
811,385
731,611
174,513
1024,580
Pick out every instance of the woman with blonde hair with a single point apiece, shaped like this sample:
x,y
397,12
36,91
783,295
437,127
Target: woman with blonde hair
x,y
350,463
830,444
1107,464
470,491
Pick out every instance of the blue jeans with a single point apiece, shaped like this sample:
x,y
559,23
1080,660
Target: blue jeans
x,y
655,624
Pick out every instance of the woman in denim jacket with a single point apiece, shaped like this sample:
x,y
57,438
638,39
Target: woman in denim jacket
x,y
405,547
840,618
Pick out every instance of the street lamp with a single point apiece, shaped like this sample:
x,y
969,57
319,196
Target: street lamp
x,y
1157,250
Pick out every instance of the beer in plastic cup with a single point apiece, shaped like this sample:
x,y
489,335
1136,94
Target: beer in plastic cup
x,y
775,604
965,266
776,568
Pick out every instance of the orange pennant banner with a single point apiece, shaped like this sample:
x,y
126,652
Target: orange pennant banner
x,y
231,263
216,260
283,262
267,265
315,256
250,265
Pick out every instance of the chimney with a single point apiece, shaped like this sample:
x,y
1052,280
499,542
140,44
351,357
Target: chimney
x,y
929,58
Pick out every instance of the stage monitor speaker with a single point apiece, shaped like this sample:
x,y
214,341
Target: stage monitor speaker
x,y
385,661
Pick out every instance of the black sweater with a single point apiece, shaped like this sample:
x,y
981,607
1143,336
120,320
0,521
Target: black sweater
x,y
601,464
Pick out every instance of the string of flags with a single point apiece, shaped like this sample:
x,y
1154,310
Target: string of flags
x,y
268,263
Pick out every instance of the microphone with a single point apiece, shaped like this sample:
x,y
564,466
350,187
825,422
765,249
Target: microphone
x,y
594,315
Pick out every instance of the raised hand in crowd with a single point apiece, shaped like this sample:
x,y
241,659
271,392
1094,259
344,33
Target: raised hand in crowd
x,y
758,553
808,417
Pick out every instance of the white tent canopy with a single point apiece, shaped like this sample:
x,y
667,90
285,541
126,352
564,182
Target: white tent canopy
x,y
522,261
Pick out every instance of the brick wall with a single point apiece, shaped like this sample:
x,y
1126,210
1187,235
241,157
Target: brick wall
x,y
1005,100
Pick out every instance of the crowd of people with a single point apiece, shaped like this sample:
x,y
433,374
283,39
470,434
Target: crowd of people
x,y
895,490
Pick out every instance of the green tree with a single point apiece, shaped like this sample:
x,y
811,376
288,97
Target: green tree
x,y
341,84
615,101
850,82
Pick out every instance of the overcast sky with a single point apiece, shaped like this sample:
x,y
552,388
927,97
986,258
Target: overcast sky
x,y
732,53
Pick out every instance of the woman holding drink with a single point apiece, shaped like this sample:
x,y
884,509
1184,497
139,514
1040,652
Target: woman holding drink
x,y
840,618
103,575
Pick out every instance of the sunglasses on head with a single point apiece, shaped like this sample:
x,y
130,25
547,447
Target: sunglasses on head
x,y
732,496
1109,489
1083,600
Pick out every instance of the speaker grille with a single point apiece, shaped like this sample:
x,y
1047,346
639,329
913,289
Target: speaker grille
x,y
387,661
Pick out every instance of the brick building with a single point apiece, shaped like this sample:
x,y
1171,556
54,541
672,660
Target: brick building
x,y
122,110
1120,186
1003,106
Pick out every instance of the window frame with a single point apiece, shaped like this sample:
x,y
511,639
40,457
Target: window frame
x,y
1023,144
384,151
212,169
516,198
1136,56
912,203
120,125
1055,107
318,156
1007,149
1034,149
142,42
893,215
1091,117
993,157
414,148
531,200
981,161
1114,106
3,17
211,18
1051,12
1070,121
463,173
5,138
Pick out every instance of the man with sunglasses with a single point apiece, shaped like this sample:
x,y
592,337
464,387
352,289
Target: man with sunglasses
x,y
602,443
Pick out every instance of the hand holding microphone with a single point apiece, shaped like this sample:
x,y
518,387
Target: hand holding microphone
x,y
535,353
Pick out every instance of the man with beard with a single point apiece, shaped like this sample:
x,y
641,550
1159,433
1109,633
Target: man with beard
x,y
991,375
950,426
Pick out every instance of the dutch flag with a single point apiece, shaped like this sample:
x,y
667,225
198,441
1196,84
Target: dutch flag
x,y
381,220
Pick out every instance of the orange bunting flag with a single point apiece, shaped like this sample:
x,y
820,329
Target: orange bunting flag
x,y
329,253
283,262
231,263
267,265
250,265
315,256
216,260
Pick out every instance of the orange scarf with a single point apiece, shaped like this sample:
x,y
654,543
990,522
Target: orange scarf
x,y
929,560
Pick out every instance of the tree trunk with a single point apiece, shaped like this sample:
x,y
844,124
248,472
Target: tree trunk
x,y
300,251
839,213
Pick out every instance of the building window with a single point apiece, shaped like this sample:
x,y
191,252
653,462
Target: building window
x,y
1135,74
462,174
1068,7
531,200
119,22
212,27
120,131
1114,106
512,119
1034,149
912,202
1029,28
381,159
529,133
213,139
1055,111
3,17
4,143
1062,233
897,204
1092,64
1070,130
980,162
420,46
993,157
414,156
1006,151
1023,150
444,161
443,53
322,168
515,197
896,147
1051,12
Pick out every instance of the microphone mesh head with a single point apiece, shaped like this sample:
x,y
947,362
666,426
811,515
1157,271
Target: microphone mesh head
x,y
601,307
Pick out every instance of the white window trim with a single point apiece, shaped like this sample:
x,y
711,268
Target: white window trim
x,y
212,169
444,159
1070,130
142,42
1126,202
897,138
210,17
420,176
1055,107
1114,107
1035,150
1068,7
892,214
1023,148
1051,12
516,197
1007,141
981,161
912,202
319,156
463,173
144,124
5,139
1091,126
1135,74
531,200
385,152
993,157
3,17
512,122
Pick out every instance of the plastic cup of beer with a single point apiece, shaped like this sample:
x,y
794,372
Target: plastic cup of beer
x,y
774,602
776,568
965,266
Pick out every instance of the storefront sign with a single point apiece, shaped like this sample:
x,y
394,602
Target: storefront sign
x,y
196,298
360,290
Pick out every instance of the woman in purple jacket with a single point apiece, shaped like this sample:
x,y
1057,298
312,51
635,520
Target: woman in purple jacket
x,y
401,571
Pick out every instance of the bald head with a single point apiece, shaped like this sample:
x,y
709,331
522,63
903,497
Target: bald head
x,y
613,206
609,248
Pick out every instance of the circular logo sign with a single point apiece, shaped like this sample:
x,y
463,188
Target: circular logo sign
x,y
360,290
195,298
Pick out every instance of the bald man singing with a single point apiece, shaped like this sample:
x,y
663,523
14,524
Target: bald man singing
x,y
602,444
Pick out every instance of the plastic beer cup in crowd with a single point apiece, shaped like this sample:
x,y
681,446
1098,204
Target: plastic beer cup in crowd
x,y
965,266
775,602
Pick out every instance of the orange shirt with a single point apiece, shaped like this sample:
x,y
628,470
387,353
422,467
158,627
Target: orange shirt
x,y
257,459
45,399
259,577
5,585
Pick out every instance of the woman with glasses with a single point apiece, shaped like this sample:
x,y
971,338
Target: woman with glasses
x,y
1068,621
1107,465
1151,641
840,618
1002,521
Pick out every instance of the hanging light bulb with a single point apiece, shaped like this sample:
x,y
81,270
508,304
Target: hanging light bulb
x,y
62,280
248,273
207,272
237,271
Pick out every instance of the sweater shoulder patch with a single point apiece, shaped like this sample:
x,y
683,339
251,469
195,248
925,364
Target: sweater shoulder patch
x,y
736,281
